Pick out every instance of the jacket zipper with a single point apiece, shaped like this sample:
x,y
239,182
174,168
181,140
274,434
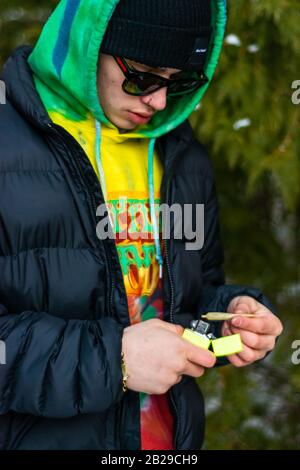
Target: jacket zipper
x,y
177,421
172,399
181,142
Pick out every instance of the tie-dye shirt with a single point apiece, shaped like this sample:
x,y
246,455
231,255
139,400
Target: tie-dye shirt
x,y
125,164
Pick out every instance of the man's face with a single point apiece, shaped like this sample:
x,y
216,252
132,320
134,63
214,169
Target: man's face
x,y
117,105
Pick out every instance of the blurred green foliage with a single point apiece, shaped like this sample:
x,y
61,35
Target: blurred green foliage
x,y
258,180
251,128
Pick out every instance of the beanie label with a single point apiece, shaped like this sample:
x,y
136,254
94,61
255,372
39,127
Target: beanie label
x,y
198,56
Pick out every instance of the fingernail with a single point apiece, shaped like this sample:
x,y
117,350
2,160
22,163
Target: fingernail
x,y
237,321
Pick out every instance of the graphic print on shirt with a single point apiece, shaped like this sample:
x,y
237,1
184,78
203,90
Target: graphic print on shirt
x,y
136,249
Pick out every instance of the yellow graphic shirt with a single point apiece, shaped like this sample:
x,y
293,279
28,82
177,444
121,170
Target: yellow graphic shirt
x,y
125,164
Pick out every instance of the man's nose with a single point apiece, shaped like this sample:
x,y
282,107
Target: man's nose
x,y
157,100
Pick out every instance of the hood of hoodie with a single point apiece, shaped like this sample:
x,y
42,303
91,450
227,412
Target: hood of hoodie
x,y
65,61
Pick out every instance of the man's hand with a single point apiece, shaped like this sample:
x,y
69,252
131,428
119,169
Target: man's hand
x,y
258,334
157,356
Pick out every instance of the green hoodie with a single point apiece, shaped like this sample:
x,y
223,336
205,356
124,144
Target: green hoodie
x,y
65,60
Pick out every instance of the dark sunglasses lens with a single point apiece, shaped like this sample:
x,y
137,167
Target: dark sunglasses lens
x,y
141,85
189,85
184,87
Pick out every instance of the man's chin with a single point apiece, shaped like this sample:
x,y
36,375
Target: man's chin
x,y
124,126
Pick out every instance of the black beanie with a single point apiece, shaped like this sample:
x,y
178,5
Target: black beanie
x,y
160,33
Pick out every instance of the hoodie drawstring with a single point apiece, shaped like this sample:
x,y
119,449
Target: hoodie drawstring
x,y
150,187
152,205
98,159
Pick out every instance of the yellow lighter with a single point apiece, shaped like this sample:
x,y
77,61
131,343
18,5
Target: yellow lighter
x,y
199,335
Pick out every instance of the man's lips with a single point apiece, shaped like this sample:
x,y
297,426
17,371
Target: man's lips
x,y
143,115
139,118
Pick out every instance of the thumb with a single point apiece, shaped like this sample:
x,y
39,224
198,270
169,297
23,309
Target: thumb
x,y
242,308
243,304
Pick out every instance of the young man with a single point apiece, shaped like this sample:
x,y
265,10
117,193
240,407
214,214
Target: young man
x,y
97,114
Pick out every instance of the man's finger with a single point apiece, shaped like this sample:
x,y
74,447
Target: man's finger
x,y
194,370
173,327
236,361
247,354
263,325
254,340
199,356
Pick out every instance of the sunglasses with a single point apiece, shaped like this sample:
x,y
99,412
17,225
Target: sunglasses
x,y
143,83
